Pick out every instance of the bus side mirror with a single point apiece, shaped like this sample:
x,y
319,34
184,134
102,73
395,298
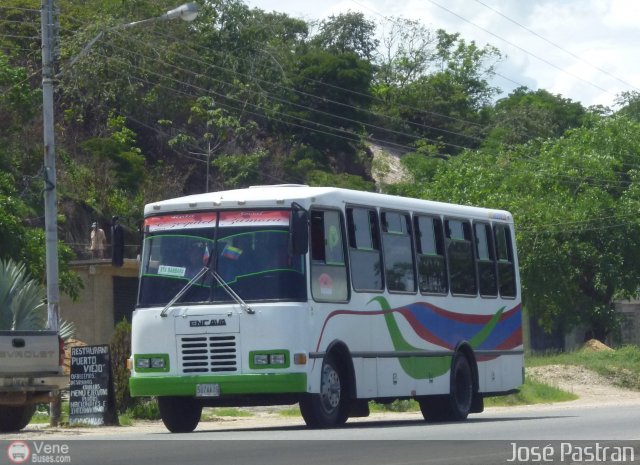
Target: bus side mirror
x,y
299,236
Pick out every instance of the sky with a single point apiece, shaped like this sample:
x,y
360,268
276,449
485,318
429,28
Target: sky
x,y
584,50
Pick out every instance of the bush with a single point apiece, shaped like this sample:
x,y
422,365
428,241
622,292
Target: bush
x,y
120,347
146,409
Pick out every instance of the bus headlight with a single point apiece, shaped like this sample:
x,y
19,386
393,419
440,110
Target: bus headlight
x,y
151,362
143,363
277,359
260,359
157,363
269,359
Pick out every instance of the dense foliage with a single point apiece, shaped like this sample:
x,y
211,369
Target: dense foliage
x,y
242,96
575,201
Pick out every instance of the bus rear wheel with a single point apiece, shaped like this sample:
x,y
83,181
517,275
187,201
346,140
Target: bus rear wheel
x,y
179,414
328,408
457,405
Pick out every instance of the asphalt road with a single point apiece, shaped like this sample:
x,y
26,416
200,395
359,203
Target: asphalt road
x,y
487,438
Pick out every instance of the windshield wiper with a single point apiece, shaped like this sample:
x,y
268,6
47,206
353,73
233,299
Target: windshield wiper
x,y
182,291
231,292
220,281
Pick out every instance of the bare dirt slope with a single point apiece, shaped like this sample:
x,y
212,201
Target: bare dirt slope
x,y
591,387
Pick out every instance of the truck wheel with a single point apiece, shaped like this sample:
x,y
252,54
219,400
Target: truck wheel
x,y
330,407
14,418
179,414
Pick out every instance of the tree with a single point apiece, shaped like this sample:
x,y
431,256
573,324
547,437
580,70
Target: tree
x,y
210,129
406,54
329,102
443,103
575,201
527,114
347,33
630,104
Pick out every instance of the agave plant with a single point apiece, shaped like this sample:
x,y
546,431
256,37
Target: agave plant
x,y
22,301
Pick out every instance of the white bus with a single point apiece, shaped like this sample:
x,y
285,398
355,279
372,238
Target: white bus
x,y
327,297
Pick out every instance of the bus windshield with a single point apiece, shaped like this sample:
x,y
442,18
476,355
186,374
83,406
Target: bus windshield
x,y
248,249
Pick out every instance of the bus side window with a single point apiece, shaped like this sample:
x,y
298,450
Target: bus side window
x,y
506,269
328,267
486,260
432,265
364,249
398,252
462,269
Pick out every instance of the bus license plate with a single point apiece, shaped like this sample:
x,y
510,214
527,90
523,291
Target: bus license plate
x,y
207,390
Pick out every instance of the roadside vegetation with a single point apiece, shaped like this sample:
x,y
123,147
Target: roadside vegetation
x,y
531,392
245,96
620,366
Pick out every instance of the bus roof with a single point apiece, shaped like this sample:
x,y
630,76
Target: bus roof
x,y
283,195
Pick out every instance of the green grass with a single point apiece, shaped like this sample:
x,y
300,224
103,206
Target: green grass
x,y
125,419
212,414
621,366
531,392
42,414
397,405
290,412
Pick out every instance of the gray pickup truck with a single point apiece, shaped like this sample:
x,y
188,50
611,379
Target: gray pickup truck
x,y
31,372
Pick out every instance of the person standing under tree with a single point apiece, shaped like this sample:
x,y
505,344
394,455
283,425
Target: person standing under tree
x,y
117,242
98,241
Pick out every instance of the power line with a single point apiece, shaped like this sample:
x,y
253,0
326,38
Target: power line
x,y
350,91
345,134
519,47
315,110
556,45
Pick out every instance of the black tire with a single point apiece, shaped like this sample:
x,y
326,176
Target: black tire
x,y
457,405
14,418
329,408
180,414
461,396
435,408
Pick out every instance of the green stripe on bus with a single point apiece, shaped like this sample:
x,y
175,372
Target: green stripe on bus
x,y
427,368
233,384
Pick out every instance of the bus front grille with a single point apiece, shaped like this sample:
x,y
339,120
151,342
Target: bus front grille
x,y
208,354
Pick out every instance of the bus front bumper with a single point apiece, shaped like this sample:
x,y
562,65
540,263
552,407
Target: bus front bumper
x,y
282,383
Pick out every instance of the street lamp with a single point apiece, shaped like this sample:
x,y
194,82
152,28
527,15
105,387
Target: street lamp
x,y
187,12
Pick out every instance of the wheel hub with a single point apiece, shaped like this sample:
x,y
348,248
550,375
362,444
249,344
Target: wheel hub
x,y
330,388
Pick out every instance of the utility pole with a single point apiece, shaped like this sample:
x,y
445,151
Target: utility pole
x,y
49,172
187,12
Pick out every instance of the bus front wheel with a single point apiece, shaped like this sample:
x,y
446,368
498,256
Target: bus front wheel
x,y
179,414
329,407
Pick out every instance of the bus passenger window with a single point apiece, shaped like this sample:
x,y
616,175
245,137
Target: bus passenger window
x,y
398,252
486,260
506,269
432,266
328,267
364,249
462,270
